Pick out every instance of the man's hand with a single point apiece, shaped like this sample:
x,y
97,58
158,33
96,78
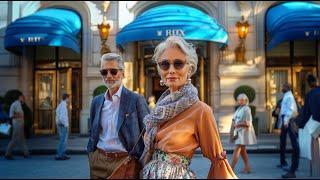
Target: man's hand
x,y
285,126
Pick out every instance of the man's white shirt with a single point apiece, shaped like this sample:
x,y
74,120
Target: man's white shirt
x,y
109,139
288,108
62,114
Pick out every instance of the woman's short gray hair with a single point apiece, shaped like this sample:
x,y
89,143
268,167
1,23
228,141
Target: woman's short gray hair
x,y
243,96
185,47
113,57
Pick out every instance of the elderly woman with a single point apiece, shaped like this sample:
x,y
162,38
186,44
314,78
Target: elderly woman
x,y
180,123
243,132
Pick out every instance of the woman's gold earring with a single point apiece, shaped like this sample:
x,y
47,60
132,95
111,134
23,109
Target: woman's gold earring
x,y
161,83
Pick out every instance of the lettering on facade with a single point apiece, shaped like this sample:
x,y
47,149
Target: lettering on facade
x,y
171,32
310,33
30,39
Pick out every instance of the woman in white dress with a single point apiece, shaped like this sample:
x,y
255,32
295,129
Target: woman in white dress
x,y
242,132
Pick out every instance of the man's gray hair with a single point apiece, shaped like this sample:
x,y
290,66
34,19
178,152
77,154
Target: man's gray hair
x,y
179,42
113,57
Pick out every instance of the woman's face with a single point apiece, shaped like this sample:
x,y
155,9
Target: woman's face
x,y
174,69
242,102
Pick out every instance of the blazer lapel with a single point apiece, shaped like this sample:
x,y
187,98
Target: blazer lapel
x,y
123,109
98,115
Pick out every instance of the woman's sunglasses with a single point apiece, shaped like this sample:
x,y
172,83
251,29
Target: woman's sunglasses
x,y
178,64
104,72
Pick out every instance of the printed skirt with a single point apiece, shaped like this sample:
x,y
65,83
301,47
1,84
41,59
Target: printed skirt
x,y
167,166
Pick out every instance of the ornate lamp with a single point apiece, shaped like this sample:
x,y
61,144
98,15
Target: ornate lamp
x,y
104,28
240,51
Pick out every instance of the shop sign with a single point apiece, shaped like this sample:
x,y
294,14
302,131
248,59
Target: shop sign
x,y
171,32
34,39
314,33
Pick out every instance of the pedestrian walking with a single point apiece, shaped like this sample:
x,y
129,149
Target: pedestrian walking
x,y
62,122
17,115
180,122
116,121
288,111
311,110
242,132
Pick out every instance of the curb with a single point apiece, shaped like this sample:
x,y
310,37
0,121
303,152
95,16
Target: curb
x,y
81,152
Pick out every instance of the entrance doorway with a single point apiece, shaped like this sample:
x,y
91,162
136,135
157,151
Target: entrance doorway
x,y
149,79
289,62
57,71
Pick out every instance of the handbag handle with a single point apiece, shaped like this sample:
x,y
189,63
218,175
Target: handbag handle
x,y
143,130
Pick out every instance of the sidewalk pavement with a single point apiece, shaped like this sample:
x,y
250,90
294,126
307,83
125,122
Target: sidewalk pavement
x,y
267,143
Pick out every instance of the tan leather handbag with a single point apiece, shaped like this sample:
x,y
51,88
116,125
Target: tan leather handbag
x,y
130,167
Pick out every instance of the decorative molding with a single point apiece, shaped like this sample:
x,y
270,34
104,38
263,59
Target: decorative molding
x,y
244,5
208,7
83,10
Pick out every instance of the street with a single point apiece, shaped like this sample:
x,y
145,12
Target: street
x,y
45,167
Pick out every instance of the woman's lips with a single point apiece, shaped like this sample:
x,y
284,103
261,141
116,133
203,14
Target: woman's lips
x,y
172,79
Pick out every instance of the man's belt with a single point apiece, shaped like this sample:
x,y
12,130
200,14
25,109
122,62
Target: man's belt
x,y
113,154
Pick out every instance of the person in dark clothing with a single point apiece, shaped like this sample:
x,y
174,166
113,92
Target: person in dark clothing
x,y
312,103
288,111
293,135
275,114
311,108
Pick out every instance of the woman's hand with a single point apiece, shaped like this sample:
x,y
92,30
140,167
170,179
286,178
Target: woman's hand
x,y
242,124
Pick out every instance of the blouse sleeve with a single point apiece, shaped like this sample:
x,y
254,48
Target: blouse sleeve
x,y
246,116
211,147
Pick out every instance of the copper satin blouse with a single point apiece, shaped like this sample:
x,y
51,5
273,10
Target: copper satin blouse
x,y
193,128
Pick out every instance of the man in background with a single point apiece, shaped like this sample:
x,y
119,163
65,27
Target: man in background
x,y
62,121
288,111
17,115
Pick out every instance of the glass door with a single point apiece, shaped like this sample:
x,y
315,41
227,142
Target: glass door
x,y
64,86
300,85
76,100
276,77
45,101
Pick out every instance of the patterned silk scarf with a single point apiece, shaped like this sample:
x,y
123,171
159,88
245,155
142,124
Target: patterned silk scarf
x,y
168,106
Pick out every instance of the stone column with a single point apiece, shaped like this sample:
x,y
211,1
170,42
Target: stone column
x,y
26,74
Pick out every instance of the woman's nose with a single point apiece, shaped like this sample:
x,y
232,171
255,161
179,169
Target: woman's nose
x,y
171,69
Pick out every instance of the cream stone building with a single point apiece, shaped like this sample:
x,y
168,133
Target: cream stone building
x,y
44,69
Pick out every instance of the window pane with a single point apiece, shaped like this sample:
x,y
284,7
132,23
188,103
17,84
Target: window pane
x,y
68,54
45,53
304,53
279,55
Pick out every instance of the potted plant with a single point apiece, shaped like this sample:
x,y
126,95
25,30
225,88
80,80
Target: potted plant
x,y
99,90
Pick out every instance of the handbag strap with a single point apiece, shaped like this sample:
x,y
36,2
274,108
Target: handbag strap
x,y
143,130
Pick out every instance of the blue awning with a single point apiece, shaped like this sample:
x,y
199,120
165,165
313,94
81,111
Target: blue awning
x,y
292,21
162,21
47,27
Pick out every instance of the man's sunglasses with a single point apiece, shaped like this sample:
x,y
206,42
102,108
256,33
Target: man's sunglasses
x,y
177,64
104,72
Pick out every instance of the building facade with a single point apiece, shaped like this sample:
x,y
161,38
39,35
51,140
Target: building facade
x,y
43,72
